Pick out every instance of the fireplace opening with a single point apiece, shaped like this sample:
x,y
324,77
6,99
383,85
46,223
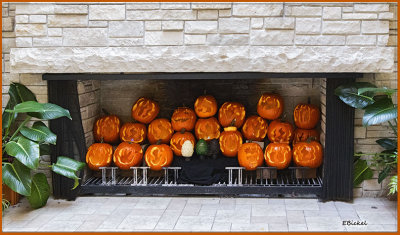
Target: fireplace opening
x,y
89,96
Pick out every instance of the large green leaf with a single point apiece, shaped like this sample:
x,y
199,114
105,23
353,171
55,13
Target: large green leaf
x,y
384,173
68,167
384,90
46,111
26,151
361,172
18,177
39,132
381,111
44,149
388,144
40,191
349,94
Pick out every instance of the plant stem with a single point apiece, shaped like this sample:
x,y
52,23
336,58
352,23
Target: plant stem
x,y
20,126
393,127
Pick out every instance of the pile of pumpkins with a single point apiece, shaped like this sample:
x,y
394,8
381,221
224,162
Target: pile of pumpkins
x,y
174,137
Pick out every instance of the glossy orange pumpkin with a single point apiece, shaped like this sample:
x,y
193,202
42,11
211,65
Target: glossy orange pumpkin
x,y
308,154
230,111
250,156
230,141
255,128
99,155
301,135
183,118
178,139
278,155
158,156
145,110
133,132
207,128
127,155
270,106
160,129
306,116
205,106
280,132
106,129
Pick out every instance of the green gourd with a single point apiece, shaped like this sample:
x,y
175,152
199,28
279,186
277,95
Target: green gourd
x,y
201,148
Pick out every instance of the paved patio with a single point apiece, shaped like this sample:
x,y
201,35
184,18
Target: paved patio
x,y
201,214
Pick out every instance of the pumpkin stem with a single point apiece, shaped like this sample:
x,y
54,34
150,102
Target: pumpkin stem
x,y
105,112
311,138
158,142
183,130
102,140
283,117
309,100
233,122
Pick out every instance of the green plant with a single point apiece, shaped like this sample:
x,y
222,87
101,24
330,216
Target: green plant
x,y
378,108
4,205
22,146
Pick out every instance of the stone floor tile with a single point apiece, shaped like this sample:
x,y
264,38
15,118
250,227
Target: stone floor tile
x,y
239,227
88,226
295,217
327,206
321,213
377,217
301,204
349,215
268,210
344,206
297,227
278,227
177,204
390,227
203,200
252,201
114,219
60,225
152,203
23,229
316,227
268,219
233,216
209,212
168,220
144,212
191,209
328,220
367,201
139,222
221,227
371,208
194,223
369,227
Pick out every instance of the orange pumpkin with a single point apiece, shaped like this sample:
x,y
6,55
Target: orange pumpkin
x,y
255,128
99,155
207,129
270,106
106,129
178,139
306,116
127,155
280,132
230,141
160,129
158,156
278,155
230,111
205,106
183,118
133,132
145,110
301,135
250,156
308,154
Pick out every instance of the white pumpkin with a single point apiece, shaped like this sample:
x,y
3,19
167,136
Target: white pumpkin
x,y
187,149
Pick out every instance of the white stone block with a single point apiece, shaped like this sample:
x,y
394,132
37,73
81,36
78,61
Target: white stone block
x,y
71,9
304,11
308,25
234,25
368,7
374,27
348,9
60,21
331,13
37,19
142,6
23,42
21,19
152,25
175,6
383,40
47,42
211,5
125,42
227,39
98,24
161,15
125,29
85,37
320,40
257,9
279,23
271,37
54,32
107,12
341,27
195,39
225,13
360,40
257,23
207,14
34,8
31,30
172,25
201,26
163,38
386,16
7,24
359,16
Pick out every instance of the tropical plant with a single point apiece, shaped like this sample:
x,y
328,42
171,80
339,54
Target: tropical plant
x,y
4,205
379,108
22,146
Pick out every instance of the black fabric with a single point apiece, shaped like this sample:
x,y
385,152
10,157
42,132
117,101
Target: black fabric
x,y
203,172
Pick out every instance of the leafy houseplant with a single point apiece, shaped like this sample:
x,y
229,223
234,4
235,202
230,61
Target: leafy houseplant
x,y
22,146
379,108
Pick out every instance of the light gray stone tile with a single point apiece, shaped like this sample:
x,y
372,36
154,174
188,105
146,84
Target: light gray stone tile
x,y
344,206
348,215
297,227
367,201
268,219
139,222
149,212
315,227
321,213
221,227
301,204
153,203
177,204
357,228
333,220
239,227
377,217
233,216
168,220
90,225
295,217
252,201
191,209
194,223
203,200
390,227
60,226
268,210
277,227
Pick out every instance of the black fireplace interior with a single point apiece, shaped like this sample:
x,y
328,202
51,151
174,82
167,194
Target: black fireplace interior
x,y
221,176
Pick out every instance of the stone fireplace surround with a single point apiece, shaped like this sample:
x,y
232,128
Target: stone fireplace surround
x,y
203,37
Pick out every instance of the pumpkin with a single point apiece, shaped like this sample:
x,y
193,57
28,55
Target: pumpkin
x,y
278,155
178,139
205,106
255,128
133,132
183,118
280,132
308,154
127,155
250,156
145,110
160,129
99,155
301,135
213,148
306,116
230,111
187,149
106,129
201,148
158,156
230,141
207,129
270,106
